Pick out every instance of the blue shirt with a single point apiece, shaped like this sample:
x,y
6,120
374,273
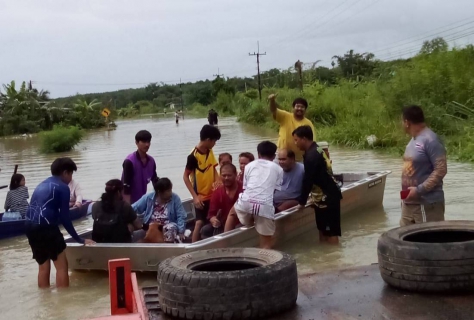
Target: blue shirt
x,y
176,212
291,187
424,167
49,205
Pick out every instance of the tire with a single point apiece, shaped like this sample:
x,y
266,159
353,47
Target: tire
x,y
429,257
268,286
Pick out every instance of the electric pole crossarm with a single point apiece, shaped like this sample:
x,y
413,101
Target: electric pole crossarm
x,y
258,54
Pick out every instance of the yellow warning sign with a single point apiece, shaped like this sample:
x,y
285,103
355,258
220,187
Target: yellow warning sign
x,y
105,112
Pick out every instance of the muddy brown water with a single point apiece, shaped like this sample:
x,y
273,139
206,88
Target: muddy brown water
x,y
99,158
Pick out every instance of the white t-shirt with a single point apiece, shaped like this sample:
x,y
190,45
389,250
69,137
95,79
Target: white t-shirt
x,y
261,179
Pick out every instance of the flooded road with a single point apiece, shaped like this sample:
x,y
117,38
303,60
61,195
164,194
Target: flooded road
x,y
99,158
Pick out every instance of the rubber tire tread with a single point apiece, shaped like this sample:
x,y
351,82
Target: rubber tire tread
x,y
246,294
427,267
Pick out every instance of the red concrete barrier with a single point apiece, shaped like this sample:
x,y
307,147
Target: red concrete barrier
x,y
126,302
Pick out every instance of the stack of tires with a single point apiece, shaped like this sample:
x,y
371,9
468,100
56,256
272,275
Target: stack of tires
x,y
237,283
429,257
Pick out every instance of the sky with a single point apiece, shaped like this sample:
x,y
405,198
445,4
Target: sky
x,y
84,46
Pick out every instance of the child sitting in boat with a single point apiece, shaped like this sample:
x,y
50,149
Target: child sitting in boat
x,y
16,203
163,212
113,217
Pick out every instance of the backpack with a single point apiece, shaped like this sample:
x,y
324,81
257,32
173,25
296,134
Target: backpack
x,y
110,227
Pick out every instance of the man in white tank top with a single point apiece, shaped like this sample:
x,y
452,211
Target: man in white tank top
x,y
254,206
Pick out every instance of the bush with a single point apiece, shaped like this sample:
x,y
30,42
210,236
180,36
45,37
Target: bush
x,y
60,139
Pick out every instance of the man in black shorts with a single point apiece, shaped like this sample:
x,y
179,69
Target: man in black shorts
x,y
318,179
48,208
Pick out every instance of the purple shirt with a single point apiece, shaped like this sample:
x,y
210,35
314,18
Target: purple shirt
x,y
137,175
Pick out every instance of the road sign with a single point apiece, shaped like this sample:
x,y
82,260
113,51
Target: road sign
x,y
105,112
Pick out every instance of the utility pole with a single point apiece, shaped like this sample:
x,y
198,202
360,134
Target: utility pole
x,y
218,74
258,54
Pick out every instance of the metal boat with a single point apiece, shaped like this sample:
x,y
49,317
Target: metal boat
x,y
15,228
359,190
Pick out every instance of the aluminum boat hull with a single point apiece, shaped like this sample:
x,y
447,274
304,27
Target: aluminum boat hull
x,y
360,191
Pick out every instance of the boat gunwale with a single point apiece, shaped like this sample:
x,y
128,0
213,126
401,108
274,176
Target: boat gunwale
x,y
372,176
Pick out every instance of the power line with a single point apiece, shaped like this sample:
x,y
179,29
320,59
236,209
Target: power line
x,y
307,26
326,22
424,37
355,14
450,37
258,54
417,49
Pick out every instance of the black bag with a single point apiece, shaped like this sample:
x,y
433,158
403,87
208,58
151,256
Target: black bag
x,y
110,227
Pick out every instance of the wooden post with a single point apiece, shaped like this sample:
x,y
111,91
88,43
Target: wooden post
x,y
120,286
16,169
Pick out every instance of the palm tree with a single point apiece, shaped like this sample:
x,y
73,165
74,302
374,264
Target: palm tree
x,y
83,105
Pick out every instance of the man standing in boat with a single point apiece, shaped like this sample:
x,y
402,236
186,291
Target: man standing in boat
x,y
200,174
139,169
424,168
48,208
318,179
289,122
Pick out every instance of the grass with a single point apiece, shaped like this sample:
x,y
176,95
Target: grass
x,y
60,139
349,112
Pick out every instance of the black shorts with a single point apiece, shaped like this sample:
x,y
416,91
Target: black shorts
x,y
201,214
46,242
328,218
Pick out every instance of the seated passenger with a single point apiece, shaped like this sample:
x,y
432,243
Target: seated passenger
x,y
244,159
163,212
113,217
76,198
223,159
293,173
223,199
16,203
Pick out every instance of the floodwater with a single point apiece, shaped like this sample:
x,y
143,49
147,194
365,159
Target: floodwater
x,y
99,158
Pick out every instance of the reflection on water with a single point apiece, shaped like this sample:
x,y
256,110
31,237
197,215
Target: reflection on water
x,y
99,158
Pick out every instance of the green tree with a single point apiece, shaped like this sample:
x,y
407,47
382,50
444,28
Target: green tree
x,y
435,45
354,65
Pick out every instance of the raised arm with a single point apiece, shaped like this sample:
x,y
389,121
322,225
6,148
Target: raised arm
x,y
273,105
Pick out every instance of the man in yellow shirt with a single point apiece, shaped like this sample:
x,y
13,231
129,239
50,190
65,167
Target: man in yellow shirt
x,y
289,122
